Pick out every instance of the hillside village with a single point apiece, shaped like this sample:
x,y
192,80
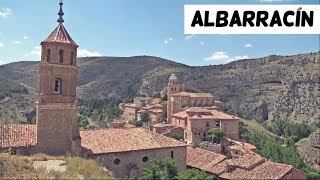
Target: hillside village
x,y
190,128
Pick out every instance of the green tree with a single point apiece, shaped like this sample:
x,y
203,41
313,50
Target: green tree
x,y
145,117
193,174
157,95
165,97
160,170
216,135
83,121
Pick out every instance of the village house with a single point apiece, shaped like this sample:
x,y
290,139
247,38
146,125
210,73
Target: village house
x,y
197,121
153,106
178,99
249,166
125,151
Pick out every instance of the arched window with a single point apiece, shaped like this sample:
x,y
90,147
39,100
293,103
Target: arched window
x,y
57,86
48,55
71,58
61,56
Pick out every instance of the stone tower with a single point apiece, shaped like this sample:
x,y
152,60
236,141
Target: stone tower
x,y
174,86
57,112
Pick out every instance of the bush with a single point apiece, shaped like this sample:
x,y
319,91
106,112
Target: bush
x,y
194,174
160,169
216,135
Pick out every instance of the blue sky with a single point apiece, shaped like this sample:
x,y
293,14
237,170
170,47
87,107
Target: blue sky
x,y
136,27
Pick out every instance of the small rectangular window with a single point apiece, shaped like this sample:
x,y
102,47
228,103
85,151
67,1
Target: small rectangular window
x,y
71,58
207,124
172,155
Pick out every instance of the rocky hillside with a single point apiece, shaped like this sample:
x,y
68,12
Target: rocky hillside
x,y
260,89
309,148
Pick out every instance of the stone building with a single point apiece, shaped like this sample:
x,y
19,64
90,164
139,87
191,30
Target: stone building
x,y
130,111
178,99
197,121
153,106
126,151
57,111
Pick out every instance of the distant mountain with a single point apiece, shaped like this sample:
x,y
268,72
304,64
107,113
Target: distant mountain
x,y
260,89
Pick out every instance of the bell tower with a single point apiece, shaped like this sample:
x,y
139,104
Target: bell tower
x,y
174,86
57,111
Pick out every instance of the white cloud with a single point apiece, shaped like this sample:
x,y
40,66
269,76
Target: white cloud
x,y
223,56
25,37
248,45
16,42
4,13
1,45
34,53
219,55
190,36
202,43
86,53
1,62
167,40
238,58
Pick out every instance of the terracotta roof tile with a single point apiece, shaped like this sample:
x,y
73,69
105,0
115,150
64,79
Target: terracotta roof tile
x,y
17,135
223,116
60,35
181,114
206,114
199,95
132,105
247,161
266,170
198,109
122,140
204,159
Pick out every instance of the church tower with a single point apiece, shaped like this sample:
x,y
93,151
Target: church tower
x,y
57,111
174,86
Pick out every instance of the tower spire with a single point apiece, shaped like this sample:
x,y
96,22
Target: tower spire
x,y
60,20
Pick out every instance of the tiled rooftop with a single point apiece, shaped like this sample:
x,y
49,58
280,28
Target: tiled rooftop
x,y
203,159
214,114
122,140
60,35
17,135
195,95
266,170
198,109
247,161
181,114
132,105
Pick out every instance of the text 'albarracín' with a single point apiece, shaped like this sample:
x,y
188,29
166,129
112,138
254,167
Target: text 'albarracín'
x,y
252,19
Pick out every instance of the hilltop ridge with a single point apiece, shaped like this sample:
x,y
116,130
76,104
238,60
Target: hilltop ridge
x,y
261,89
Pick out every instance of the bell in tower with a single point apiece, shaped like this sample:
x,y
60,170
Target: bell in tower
x,y
57,111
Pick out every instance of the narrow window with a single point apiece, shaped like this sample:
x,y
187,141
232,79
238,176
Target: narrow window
x,y
207,124
61,56
172,155
57,87
217,123
71,58
48,55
